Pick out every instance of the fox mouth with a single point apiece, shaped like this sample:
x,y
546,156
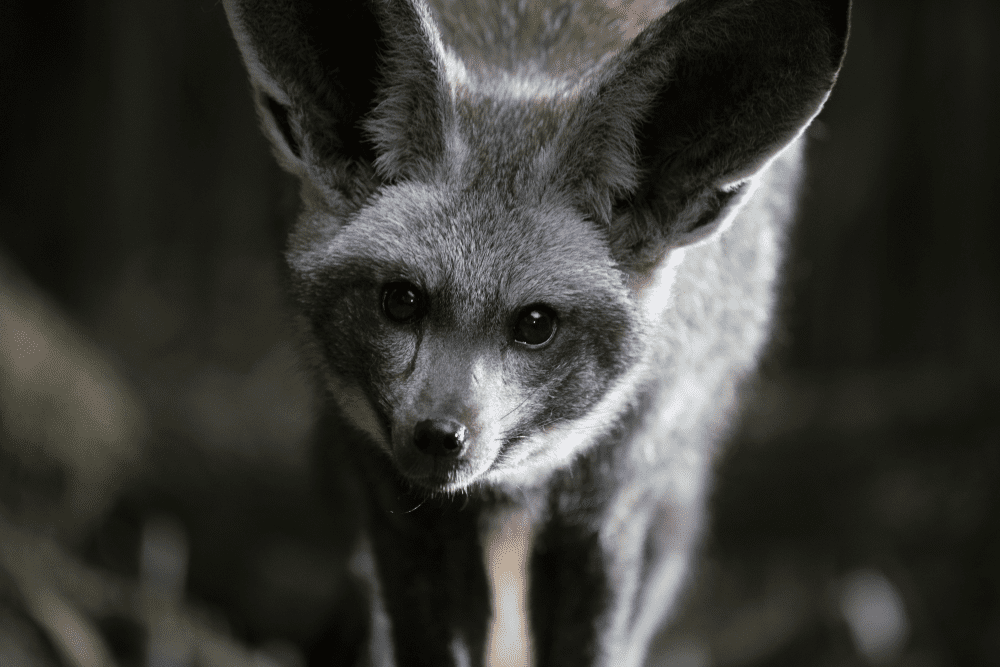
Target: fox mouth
x,y
437,475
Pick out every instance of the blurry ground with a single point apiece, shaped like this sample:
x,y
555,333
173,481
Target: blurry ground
x,y
155,497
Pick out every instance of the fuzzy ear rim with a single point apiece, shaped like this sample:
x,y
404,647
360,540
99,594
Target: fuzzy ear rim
x,y
273,103
737,187
321,119
766,157
262,79
281,127
720,204
413,116
701,205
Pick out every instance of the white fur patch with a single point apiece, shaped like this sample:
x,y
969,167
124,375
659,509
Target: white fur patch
x,y
460,653
503,84
657,295
508,545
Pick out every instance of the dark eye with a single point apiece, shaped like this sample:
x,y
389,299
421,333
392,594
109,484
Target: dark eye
x,y
535,325
402,301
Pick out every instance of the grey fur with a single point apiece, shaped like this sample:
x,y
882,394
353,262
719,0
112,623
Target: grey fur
x,y
498,155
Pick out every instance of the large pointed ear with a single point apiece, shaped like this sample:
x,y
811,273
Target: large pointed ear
x,y
346,89
701,101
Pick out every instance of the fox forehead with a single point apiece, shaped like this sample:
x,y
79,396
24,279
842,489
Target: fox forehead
x,y
471,242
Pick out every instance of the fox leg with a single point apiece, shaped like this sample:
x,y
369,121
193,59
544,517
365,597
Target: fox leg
x,y
430,593
600,591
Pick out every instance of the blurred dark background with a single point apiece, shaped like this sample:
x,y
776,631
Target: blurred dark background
x,y
155,422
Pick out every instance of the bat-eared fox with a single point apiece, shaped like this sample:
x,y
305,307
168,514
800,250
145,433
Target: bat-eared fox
x,y
536,256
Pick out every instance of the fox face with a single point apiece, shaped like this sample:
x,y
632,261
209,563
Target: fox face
x,y
490,230
469,325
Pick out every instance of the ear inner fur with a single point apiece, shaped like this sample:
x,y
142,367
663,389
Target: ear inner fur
x,y
363,79
647,150
280,115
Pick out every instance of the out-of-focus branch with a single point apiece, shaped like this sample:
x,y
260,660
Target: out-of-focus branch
x,y
62,594
71,430
71,435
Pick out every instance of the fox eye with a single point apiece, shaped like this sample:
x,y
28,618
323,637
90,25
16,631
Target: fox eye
x,y
402,301
535,325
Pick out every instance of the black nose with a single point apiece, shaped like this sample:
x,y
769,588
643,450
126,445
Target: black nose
x,y
440,437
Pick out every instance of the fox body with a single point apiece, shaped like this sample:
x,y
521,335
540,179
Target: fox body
x,y
536,256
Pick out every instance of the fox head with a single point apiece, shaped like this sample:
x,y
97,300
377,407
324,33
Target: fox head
x,y
483,244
